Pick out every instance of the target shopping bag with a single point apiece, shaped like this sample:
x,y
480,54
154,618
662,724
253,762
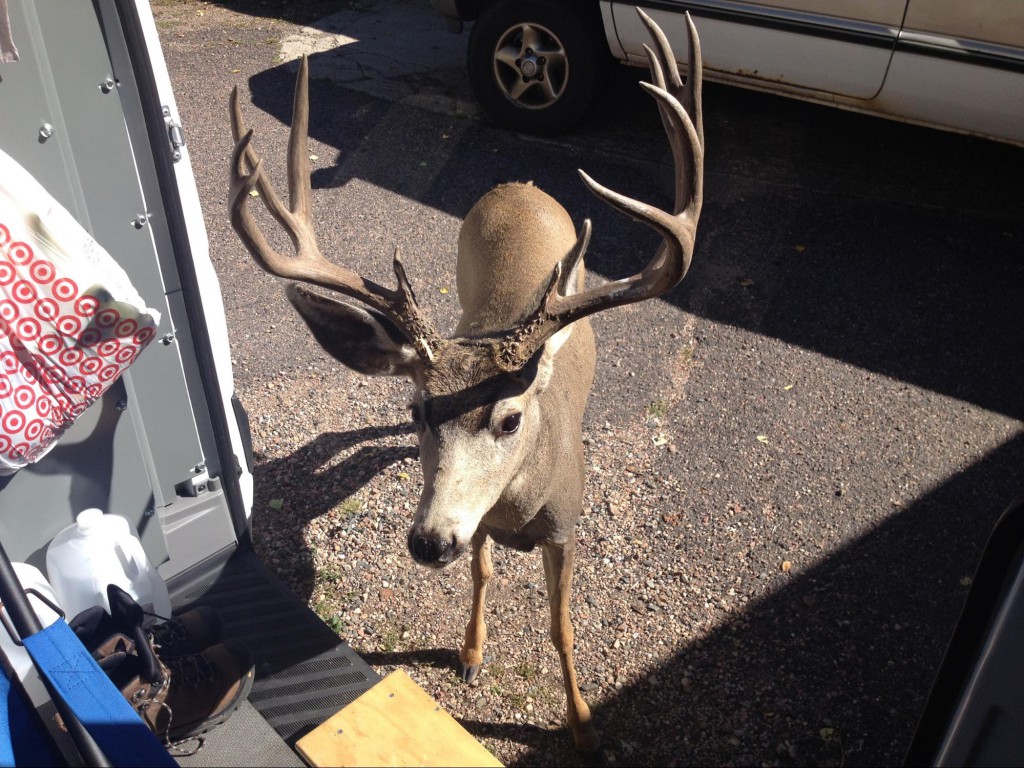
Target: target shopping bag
x,y
70,320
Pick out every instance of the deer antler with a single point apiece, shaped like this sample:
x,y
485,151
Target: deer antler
x,y
308,264
680,107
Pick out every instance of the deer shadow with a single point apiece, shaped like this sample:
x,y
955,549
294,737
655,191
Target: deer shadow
x,y
308,483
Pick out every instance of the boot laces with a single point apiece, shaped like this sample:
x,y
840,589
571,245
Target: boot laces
x,y
170,634
193,671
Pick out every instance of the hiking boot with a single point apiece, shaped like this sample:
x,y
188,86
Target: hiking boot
x,y
115,644
134,677
205,689
188,633
183,635
186,696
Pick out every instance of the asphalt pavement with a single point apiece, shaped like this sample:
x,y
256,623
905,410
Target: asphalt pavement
x,y
834,394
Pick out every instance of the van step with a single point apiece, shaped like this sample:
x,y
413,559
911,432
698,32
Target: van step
x,y
304,671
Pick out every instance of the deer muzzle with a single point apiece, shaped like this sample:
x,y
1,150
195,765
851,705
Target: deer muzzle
x,y
433,550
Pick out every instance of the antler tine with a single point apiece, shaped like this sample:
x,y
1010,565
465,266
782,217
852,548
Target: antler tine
x,y
681,112
308,264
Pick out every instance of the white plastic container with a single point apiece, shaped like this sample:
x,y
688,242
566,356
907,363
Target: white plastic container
x,y
30,578
98,550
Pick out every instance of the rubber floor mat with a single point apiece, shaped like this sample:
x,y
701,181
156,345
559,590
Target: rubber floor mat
x,y
304,672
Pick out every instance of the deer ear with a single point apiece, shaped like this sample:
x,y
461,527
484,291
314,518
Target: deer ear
x,y
543,361
360,338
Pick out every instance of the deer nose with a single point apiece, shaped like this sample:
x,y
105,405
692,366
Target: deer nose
x,y
431,550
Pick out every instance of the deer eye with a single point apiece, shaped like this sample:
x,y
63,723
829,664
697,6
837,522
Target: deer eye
x,y
510,424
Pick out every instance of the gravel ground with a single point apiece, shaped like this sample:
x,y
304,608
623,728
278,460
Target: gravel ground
x,y
787,496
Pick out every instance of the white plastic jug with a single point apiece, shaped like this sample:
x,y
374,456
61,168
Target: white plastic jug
x,y
98,550
30,578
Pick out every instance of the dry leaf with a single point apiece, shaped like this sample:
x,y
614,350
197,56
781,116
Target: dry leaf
x,y
403,475
787,387
800,248
762,438
660,440
444,290
254,193
786,566
746,282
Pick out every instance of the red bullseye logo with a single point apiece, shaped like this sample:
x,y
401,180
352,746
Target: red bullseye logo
x,y
50,344
109,347
108,318
142,338
24,397
75,385
109,372
9,362
20,253
43,406
5,385
90,337
87,305
29,328
5,443
42,271
125,355
9,310
14,421
47,309
5,235
126,328
90,365
34,429
71,357
65,289
69,325
7,273
24,292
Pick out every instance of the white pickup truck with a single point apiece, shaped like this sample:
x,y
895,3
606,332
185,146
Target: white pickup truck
x,y
537,65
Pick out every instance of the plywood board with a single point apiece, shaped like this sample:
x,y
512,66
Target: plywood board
x,y
394,723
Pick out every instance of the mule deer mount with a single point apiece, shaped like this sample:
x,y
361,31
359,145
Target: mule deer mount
x,y
498,407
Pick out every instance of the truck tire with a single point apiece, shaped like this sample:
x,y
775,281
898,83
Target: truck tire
x,y
535,66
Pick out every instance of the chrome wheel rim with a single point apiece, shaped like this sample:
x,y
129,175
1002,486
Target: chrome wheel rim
x,y
530,66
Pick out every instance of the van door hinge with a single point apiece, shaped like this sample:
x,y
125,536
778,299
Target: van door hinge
x,y
175,134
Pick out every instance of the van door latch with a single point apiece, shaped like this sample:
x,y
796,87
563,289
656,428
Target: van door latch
x,y
175,134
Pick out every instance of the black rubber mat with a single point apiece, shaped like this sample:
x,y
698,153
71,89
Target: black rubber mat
x,y
304,672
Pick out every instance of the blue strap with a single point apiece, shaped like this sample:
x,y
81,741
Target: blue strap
x,y
108,717
6,745
23,740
